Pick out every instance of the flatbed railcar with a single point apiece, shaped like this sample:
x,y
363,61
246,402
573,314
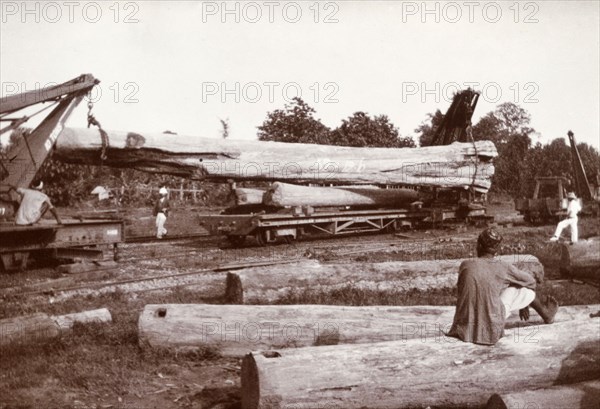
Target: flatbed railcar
x,y
72,239
289,224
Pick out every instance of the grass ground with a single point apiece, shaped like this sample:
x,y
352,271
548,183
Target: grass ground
x,y
102,366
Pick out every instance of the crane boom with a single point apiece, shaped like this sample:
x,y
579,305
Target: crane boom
x,y
457,119
20,165
582,185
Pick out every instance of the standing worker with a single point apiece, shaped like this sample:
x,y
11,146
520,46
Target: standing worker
x,y
571,221
490,290
33,205
161,211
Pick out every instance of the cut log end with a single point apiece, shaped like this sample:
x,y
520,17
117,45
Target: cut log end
x,y
234,293
496,402
250,383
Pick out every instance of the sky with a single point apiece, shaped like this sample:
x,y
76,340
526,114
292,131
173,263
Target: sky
x,y
184,66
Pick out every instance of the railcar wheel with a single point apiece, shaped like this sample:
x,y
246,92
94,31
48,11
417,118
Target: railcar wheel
x,y
261,237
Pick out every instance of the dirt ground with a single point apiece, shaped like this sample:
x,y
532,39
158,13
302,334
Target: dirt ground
x,y
102,366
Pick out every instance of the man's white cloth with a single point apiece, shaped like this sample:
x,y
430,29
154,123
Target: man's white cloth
x,y
515,299
32,203
160,225
102,193
571,221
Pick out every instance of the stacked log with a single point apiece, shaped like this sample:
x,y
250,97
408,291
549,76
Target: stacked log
x,y
41,327
271,283
235,330
421,372
245,196
581,260
457,165
286,195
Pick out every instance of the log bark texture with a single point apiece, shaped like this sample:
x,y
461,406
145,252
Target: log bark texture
x,y
269,284
455,165
41,327
437,372
581,259
285,194
582,395
235,330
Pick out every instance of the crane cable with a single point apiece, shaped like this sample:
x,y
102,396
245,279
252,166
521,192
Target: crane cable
x,y
469,131
103,135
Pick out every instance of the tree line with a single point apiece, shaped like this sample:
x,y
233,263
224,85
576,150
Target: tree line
x,y
519,160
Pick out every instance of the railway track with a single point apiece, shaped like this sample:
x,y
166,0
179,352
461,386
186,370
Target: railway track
x,y
98,285
196,255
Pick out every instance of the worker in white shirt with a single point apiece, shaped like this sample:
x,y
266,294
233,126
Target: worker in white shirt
x,y
161,211
33,205
571,221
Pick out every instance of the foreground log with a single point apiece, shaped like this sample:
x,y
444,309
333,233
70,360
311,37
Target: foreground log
x,y
40,327
581,259
235,330
440,372
284,194
583,395
244,196
456,165
272,283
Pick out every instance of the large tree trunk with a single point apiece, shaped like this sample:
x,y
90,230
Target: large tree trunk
x,y
455,165
582,395
272,283
42,327
438,371
284,194
581,259
235,330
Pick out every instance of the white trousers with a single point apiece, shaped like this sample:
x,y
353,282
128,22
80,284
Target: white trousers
x,y
572,223
160,225
515,298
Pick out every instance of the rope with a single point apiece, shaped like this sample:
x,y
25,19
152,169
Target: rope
x,y
103,135
470,136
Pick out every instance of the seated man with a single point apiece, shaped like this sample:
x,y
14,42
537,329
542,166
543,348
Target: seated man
x,y
33,205
489,290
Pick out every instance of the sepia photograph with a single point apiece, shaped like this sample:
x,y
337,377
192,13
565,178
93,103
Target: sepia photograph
x,y
301,204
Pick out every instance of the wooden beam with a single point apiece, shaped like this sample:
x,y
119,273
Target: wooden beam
x,y
235,330
437,372
269,284
457,165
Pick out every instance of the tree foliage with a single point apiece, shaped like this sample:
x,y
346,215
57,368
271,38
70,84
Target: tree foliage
x,y
518,162
296,123
361,130
428,128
